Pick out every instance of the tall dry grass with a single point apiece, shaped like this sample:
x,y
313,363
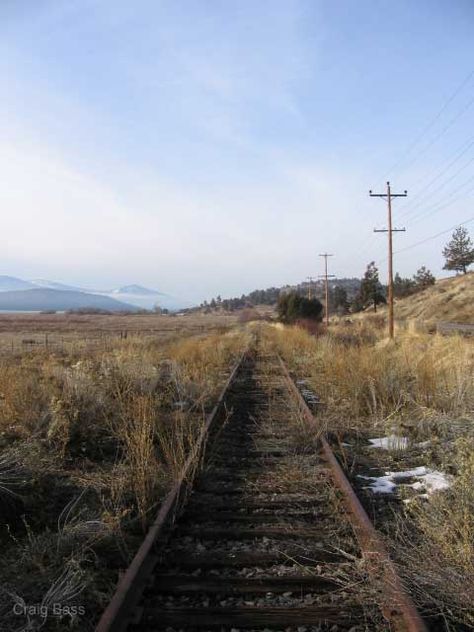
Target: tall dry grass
x,y
373,378
424,386
109,426
435,545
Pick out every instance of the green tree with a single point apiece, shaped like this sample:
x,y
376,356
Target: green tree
x,y
292,307
371,290
340,299
423,278
402,286
459,252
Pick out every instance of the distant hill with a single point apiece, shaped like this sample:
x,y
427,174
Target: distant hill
x,y
146,300
11,284
135,289
131,294
450,300
55,285
270,295
58,300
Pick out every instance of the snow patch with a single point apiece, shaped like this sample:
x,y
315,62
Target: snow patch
x,y
429,481
391,442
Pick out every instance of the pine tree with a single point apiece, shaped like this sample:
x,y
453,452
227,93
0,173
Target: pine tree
x,y
293,307
459,252
423,278
340,299
371,290
402,286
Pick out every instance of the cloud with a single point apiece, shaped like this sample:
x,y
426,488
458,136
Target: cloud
x,y
197,151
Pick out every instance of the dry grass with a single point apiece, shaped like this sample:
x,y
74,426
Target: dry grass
x,y
448,300
420,386
435,545
69,333
92,439
415,377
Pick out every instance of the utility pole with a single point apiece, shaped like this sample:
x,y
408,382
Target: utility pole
x,y
326,287
310,279
388,196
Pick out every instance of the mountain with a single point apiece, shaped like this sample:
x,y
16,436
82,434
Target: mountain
x,y
139,290
147,300
132,294
58,300
55,285
11,284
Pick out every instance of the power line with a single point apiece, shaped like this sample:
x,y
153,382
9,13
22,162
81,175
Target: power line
x,y
412,207
440,134
453,158
326,286
310,279
444,203
443,232
388,196
417,139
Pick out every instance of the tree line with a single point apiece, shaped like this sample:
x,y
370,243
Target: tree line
x,y
350,295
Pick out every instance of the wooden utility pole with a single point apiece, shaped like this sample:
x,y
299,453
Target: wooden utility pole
x,y
310,279
325,276
388,196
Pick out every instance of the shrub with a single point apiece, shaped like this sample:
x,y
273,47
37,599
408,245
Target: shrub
x,y
293,307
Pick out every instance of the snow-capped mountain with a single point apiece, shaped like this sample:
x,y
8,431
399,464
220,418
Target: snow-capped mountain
x,y
55,285
132,294
13,284
139,290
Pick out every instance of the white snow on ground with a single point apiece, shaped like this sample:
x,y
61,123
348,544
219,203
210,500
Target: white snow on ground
x,y
428,481
391,442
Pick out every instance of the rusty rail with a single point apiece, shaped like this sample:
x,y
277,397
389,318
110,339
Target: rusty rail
x,y
399,608
117,616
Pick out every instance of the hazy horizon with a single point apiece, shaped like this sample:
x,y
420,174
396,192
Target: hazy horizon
x,y
216,148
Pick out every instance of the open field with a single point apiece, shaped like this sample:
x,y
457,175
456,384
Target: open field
x,y
24,332
93,436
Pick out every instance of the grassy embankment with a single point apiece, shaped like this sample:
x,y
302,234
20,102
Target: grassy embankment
x,y
449,300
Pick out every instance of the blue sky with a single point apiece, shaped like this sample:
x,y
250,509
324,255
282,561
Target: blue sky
x,y
214,147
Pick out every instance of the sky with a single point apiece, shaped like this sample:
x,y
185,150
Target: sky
x,y
205,147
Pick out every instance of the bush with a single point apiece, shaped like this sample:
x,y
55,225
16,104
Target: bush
x,y
293,307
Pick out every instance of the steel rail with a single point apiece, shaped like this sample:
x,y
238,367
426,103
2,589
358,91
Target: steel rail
x,y
398,608
118,614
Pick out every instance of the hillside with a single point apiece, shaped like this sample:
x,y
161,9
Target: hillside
x,y
59,300
450,300
12,284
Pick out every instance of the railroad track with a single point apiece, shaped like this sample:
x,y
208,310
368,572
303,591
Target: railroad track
x,y
269,536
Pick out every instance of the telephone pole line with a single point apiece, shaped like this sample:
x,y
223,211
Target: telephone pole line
x,y
389,196
310,279
325,276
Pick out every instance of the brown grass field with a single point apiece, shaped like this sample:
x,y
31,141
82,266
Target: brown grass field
x,y
95,426
23,332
